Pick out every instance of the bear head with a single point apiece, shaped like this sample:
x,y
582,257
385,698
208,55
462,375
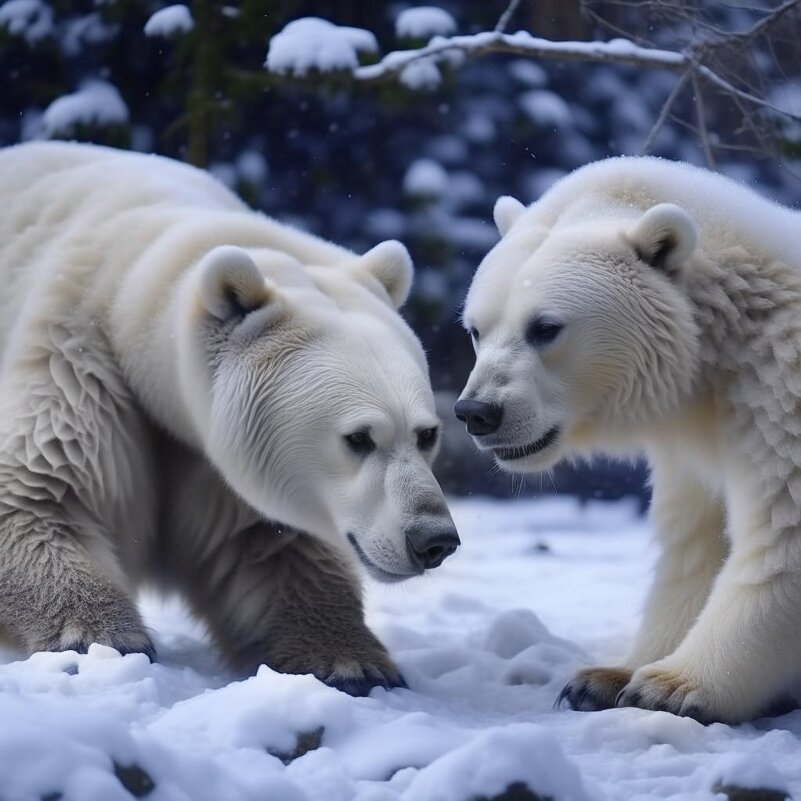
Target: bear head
x,y
584,332
312,399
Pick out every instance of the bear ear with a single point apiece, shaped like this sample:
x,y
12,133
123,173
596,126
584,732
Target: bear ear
x,y
390,263
231,284
664,237
506,213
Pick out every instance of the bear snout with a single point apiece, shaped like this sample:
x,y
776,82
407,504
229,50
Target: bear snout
x,y
479,417
429,546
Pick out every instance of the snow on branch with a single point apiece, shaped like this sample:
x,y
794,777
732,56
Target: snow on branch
x,y
95,103
419,67
312,43
170,21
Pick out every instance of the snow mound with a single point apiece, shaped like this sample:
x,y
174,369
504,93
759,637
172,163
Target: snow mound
x,y
170,21
31,19
520,754
95,103
424,22
312,43
478,645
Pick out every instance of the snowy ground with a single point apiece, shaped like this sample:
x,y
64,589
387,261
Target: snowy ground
x,y
486,643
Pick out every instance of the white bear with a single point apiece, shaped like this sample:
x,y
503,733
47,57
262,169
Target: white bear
x,y
194,394
644,306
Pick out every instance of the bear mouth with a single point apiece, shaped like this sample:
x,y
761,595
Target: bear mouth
x,y
521,451
376,572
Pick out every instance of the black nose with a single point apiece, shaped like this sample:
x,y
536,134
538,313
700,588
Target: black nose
x,y
430,548
479,417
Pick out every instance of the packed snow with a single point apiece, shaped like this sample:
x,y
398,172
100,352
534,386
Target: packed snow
x,y
312,43
170,21
31,19
424,22
485,642
95,103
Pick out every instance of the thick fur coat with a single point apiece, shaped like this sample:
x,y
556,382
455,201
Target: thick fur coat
x,y
647,306
185,386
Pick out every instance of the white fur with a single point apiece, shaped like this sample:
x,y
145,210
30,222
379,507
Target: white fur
x,y
664,236
230,279
140,295
680,295
506,212
390,265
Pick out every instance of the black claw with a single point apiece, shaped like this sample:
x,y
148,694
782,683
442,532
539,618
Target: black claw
x,y
565,694
362,686
79,646
696,713
577,702
148,650
355,687
574,697
82,646
629,698
399,682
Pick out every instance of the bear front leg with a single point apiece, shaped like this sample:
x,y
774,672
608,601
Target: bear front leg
x,y
690,527
743,655
55,597
288,601
269,596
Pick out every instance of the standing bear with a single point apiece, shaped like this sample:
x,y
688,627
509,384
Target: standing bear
x,y
644,306
185,387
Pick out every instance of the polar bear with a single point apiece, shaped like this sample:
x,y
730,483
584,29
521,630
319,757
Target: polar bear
x,y
644,306
196,395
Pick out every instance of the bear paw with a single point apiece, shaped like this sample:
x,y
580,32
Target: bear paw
x,y
358,679
354,670
594,688
79,637
664,689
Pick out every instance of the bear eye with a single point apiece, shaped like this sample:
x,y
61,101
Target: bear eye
x,y
542,331
427,438
360,442
474,333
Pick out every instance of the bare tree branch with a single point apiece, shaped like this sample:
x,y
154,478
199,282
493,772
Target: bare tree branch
x,y
664,113
767,20
731,89
701,117
506,17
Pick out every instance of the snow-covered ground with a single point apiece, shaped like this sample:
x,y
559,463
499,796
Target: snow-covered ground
x,y
486,643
